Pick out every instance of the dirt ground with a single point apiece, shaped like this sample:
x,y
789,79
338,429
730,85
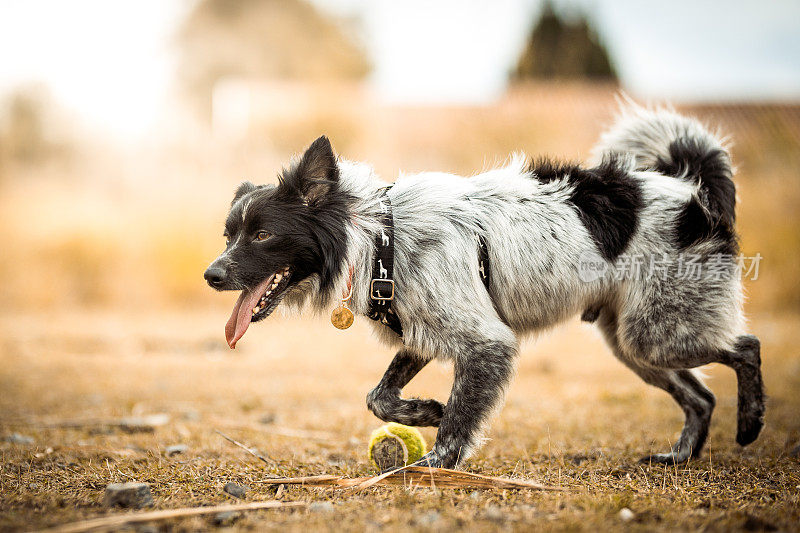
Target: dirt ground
x,y
104,315
295,389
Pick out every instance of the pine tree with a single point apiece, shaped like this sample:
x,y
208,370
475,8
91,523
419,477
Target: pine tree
x,y
558,49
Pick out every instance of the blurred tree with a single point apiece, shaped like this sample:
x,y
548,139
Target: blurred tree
x,y
29,130
262,39
563,49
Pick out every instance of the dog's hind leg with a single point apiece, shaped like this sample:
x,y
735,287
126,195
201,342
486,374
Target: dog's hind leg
x,y
385,401
697,402
694,398
745,360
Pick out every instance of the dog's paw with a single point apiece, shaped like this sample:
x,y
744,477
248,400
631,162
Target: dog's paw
x,y
422,412
749,426
430,459
671,458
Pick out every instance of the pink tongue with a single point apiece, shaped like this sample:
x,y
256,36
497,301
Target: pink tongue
x,y
243,313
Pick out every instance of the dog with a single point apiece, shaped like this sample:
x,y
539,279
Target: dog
x,y
558,238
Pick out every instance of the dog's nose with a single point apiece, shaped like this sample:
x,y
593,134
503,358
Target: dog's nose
x,y
215,276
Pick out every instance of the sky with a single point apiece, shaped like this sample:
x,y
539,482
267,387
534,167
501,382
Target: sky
x,y
108,62
423,51
679,49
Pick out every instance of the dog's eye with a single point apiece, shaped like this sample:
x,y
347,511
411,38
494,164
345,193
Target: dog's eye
x,y
262,236
227,239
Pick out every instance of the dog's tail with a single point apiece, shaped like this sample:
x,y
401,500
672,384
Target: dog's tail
x,y
679,146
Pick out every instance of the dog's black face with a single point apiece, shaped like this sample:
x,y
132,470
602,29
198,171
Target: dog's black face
x,y
278,236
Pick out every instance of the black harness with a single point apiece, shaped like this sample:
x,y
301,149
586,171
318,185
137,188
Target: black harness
x,y
382,287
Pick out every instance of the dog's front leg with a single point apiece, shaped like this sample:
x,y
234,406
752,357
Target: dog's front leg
x,y
385,401
481,375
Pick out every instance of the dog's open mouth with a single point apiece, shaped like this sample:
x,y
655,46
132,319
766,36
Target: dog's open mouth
x,y
257,304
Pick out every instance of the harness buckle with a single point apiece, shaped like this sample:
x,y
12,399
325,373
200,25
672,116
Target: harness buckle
x,y
380,286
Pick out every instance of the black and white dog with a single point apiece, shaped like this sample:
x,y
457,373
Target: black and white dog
x,y
561,240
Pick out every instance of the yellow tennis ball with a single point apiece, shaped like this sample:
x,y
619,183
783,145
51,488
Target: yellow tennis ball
x,y
394,445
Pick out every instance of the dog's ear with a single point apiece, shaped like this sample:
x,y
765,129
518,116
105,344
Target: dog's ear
x,y
243,189
316,172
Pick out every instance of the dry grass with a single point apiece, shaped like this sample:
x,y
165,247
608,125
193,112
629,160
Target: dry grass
x,y
104,315
574,418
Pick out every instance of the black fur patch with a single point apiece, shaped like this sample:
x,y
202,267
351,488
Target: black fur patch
x,y
305,216
696,223
711,167
244,188
316,174
712,214
590,314
607,198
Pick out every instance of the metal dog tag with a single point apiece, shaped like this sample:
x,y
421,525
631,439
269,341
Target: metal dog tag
x,y
342,317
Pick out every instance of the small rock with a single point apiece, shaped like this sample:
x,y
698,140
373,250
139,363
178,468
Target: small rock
x,y
475,495
495,514
577,458
428,519
335,459
125,453
190,415
144,424
33,486
754,523
226,518
321,507
17,438
131,495
626,515
268,418
176,449
47,451
235,490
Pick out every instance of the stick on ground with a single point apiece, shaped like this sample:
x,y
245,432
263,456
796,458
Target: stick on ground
x,y
138,518
417,476
267,460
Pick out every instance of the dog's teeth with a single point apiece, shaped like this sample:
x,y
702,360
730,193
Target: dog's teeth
x,y
278,277
256,309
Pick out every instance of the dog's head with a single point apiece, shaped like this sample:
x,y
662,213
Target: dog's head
x,y
277,237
